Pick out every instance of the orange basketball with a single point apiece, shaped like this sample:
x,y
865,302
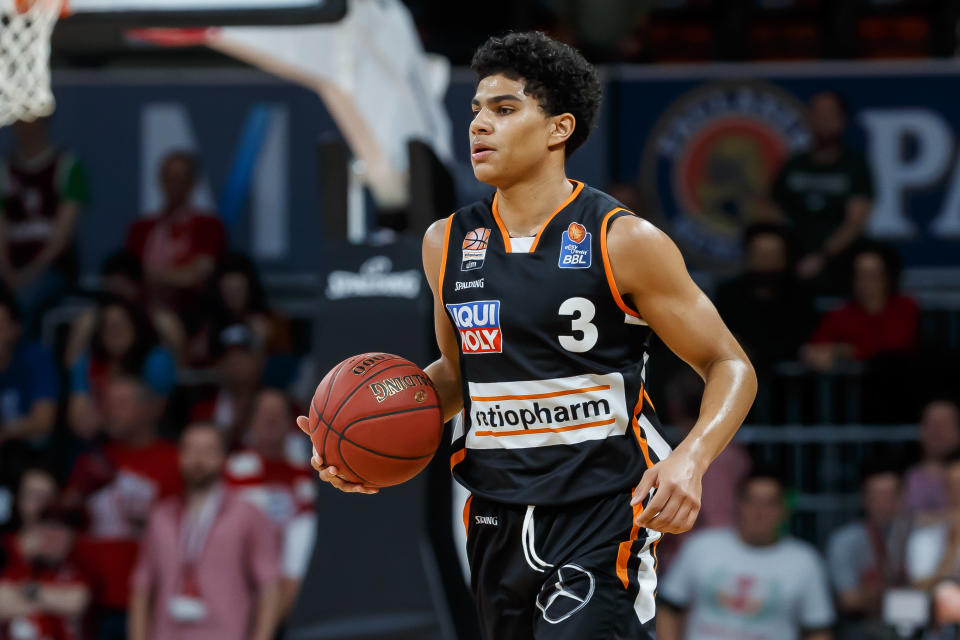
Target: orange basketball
x,y
376,417
476,239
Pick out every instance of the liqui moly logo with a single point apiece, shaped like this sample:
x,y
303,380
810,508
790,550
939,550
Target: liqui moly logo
x,y
479,325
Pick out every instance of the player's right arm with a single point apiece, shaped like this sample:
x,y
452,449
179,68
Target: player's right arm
x,y
445,371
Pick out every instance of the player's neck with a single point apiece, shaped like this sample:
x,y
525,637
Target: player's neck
x,y
525,205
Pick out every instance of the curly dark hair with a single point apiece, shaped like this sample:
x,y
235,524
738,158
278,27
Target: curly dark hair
x,y
556,74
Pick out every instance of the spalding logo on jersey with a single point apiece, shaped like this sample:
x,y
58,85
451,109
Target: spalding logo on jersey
x,y
474,249
479,326
575,248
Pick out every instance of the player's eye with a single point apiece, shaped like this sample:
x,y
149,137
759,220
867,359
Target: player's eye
x,y
505,110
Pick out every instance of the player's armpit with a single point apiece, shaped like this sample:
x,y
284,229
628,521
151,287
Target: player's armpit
x,y
445,371
649,273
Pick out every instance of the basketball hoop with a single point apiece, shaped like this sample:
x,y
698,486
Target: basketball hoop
x,y
25,29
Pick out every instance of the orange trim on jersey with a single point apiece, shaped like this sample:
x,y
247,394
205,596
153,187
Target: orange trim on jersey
x,y
576,191
606,265
623,552
457,458
537,396
520,432
647,398
577,188
637,431
466,515
443,257
503,228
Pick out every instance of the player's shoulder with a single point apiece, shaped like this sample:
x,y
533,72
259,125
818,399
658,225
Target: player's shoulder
x,y
477,213
597,201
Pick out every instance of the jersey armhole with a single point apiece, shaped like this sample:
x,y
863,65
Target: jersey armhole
x,y
608,270
443,256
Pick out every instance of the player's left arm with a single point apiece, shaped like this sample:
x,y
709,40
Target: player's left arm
x,y
650,274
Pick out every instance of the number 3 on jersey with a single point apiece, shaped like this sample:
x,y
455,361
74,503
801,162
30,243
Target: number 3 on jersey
x,y
583,312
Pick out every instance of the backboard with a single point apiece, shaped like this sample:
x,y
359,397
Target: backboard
x,y
177,13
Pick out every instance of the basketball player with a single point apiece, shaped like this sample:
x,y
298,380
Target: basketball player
x,y
545,297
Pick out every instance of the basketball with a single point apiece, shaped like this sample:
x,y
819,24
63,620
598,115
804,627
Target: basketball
x,y
376,417
476,239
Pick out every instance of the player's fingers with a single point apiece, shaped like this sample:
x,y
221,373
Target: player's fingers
x,y
304,423
662,518
647,482
659,500
689,519
352,487
678,523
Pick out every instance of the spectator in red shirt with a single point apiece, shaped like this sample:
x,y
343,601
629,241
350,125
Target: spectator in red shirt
x,y
118,483
877,320
43,593
178,246
209,563
273,472
42,190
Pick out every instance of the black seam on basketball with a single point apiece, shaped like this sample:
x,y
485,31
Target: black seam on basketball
x,y
384,415
323,445
347,464
363,383
333,381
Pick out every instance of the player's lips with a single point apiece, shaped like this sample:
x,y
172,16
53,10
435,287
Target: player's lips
x,y
480,152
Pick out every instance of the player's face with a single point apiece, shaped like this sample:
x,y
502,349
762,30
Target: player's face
x,y
510,133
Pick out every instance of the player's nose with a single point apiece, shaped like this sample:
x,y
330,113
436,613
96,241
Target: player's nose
x,y
481,124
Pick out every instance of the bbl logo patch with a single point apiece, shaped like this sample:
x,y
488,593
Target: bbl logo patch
x,y
575,248
712,157
474,249
479,326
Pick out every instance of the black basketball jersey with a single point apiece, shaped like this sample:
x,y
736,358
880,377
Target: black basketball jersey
x,y
552,359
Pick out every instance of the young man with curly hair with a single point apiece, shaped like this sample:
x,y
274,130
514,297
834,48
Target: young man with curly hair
x,y
546,295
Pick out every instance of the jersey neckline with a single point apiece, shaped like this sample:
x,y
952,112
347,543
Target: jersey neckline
x,y
502,228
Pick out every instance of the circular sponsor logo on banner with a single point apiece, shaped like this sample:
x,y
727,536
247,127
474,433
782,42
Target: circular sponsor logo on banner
x,y
711,158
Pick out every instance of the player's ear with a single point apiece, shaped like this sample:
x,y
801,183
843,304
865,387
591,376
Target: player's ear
x,y
562,128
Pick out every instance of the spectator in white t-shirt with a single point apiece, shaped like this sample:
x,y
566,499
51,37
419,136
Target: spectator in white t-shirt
x,y
749,582
273,472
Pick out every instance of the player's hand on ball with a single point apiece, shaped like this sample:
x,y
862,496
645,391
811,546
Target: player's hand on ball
x,y
676,500
330,474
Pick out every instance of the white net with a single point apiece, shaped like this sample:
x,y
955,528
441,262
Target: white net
x,y
25,28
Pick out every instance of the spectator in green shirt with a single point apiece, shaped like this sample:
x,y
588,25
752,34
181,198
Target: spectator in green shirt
x,y
42,190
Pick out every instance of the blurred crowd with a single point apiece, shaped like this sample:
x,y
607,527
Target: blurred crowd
x,y
815,296
643,31
151,473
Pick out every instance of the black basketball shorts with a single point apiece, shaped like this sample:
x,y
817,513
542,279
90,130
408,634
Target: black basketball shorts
x,y
572,572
